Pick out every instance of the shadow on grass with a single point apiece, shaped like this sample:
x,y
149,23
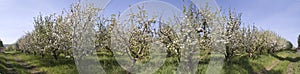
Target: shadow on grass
x,y
47,62
296,59
272,72
3,65
111,66
242,65
11,66
238,65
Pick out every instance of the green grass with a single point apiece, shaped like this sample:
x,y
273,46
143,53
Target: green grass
x,y
46,64
280,68
7,62
3,68
246,65
296,65
242,65
238,65
296,68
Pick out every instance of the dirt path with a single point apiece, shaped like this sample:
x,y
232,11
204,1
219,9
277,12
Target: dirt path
x,y
9,67
290,66
29,68
268,68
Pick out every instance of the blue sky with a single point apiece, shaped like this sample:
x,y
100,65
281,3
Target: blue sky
x,y
281,16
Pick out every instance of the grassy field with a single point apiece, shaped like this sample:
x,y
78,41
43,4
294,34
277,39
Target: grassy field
x,y
284,62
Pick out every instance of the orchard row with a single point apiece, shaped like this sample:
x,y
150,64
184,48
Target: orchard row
x,y
198,30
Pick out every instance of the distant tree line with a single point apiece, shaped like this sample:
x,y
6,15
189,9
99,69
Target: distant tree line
x,y
1,44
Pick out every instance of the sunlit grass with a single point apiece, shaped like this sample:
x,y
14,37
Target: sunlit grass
x,y
238,65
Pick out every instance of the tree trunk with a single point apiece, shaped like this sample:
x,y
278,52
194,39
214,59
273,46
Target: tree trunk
x,y
34,53
132,66
43,55
227,55
55,55
191,66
